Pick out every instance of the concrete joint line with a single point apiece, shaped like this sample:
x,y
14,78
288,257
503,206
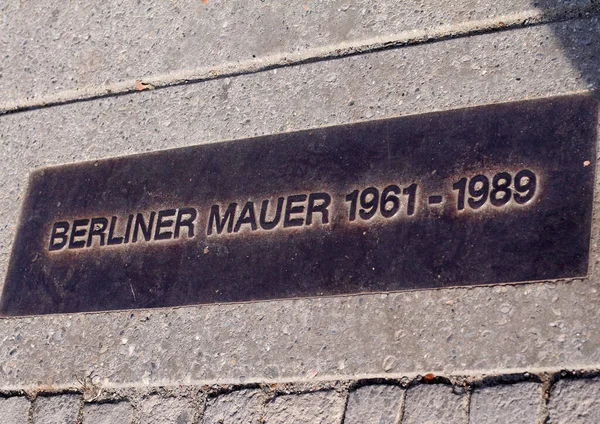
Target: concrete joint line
x,y
271,62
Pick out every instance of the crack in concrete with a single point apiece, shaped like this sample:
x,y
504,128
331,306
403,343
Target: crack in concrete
x,y
227,70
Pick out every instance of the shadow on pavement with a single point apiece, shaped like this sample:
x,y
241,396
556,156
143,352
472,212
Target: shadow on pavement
x,y
580,41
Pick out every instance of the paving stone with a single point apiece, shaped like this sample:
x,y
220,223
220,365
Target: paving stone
x,y
506,404
156,409
575,401
14,410
108,413
434,404
312,408
242,406
61,409
85,44
376,404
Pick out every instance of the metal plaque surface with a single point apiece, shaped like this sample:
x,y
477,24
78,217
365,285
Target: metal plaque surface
x,y
486,195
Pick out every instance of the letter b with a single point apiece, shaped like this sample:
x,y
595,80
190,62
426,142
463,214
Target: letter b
x,y
59,232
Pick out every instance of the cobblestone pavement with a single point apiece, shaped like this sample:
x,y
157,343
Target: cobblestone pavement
x,y
565,397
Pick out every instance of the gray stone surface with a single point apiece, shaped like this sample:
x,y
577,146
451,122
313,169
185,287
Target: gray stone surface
x,y
60,45
509,65
506,404
575,402
323,407
434,404
376,404
454,331
14,410
239,407
108,413
157,409
62,409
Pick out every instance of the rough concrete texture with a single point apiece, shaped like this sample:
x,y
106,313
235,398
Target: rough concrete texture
x,y
324,407
14,410
108,413
433,404
156,409
61,409
241,406
479,329
62,45
506,404
575,402
376,404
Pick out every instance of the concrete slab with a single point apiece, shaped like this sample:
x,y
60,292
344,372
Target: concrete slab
x,y
240,406
575,401
14,410
61,45
430,404
108,413
318,407
518,403
156,409
455,331
56,409
378,403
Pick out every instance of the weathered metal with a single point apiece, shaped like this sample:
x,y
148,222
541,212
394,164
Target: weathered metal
x,y
486,195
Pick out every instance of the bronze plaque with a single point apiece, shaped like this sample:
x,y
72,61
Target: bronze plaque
x,y
486,195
